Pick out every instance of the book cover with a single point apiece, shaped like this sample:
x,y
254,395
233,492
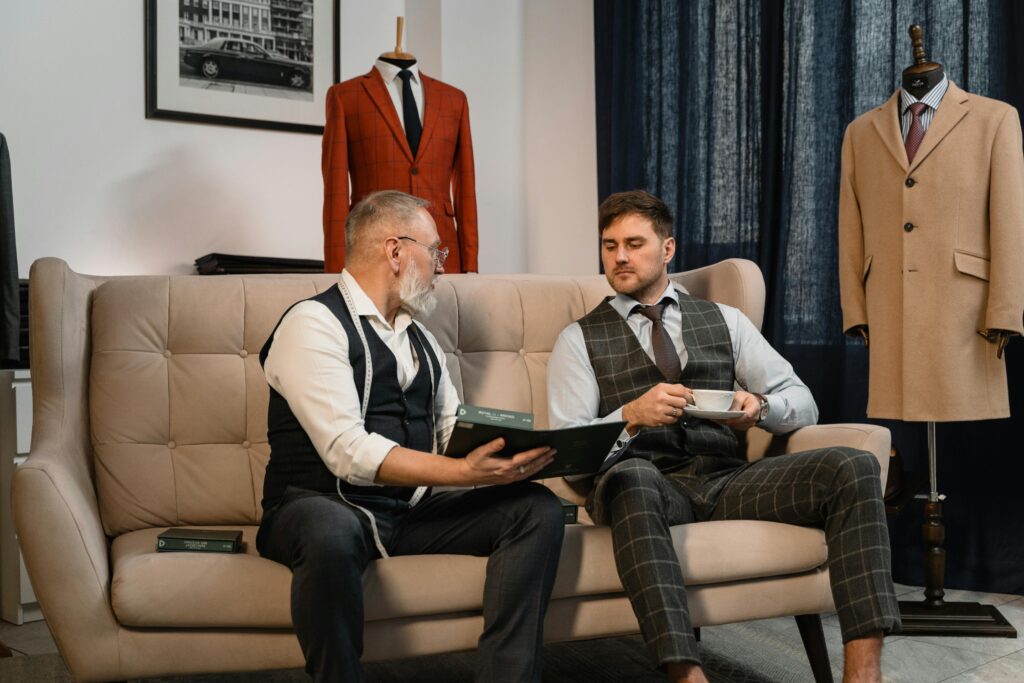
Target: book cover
x,y
199,540
571,511
581,450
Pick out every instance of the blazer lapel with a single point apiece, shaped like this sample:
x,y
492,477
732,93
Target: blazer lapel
x,y
887,122
375,88
430,112
951,111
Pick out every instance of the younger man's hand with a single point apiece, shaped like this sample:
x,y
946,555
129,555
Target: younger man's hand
x,y
751,407
662,405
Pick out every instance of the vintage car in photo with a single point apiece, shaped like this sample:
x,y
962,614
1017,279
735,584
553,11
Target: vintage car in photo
x,y
244,60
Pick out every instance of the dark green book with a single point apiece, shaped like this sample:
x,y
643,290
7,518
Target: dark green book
x,y
581,450
571,511
199,540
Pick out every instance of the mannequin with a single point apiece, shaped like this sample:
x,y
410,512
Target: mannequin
x,y
919,79
376,138
938,298
398,57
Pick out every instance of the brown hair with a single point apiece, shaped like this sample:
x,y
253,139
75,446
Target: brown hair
x,y
640,203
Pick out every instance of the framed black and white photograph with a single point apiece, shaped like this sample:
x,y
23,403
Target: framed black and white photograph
x,y
253,63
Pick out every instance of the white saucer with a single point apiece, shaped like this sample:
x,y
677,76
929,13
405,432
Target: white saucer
x,y
694,411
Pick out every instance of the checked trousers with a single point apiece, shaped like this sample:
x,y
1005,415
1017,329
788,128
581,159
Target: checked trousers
x,y
834,489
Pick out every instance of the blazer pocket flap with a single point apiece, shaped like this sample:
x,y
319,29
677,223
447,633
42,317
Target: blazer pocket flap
x,y
970,264
867,268
449,210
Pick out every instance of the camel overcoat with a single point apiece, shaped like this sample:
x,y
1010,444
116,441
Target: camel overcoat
x,y
932,251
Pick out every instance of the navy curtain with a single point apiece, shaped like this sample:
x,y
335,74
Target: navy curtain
x,y
733,112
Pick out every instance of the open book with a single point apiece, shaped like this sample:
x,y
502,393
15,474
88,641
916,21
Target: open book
x,y
581,450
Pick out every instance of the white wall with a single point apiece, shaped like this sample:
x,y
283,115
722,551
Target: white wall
x,y
99,185
560,134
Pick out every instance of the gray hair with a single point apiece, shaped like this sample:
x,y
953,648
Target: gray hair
x,y
376,209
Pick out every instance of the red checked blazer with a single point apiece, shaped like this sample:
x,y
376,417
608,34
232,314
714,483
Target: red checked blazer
x,y
364,139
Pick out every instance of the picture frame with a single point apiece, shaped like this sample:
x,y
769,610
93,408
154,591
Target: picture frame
x,y
252,63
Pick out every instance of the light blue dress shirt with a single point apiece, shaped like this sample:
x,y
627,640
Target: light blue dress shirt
x,y
574,395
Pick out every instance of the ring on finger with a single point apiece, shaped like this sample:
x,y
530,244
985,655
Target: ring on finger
x,y
675,411
522,469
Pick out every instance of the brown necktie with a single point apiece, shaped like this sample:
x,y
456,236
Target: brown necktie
x,y
665,355
916,133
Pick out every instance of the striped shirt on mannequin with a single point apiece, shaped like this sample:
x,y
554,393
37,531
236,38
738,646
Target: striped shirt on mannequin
x,y
932,98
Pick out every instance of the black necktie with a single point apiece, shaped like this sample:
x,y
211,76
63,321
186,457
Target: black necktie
x,y
665,355
410,116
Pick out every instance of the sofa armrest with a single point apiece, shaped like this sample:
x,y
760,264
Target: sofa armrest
x,y
53,495
67,557
872,438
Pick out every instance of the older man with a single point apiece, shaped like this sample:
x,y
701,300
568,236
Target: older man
x,y
638,357
360,405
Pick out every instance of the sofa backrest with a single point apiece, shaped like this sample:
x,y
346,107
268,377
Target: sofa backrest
x,y
178,401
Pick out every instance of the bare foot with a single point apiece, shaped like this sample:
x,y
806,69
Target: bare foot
x,y
685,672
863,660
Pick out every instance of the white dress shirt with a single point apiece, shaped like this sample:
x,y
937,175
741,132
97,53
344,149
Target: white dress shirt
x,y
309,366
389,72
574,396
933,98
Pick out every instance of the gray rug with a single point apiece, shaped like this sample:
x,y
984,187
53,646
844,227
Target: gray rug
x,y
740,653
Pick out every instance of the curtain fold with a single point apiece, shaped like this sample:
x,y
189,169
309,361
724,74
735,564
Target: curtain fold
x,y
733,111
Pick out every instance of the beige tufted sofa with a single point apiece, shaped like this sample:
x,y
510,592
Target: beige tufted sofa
x,y
150,412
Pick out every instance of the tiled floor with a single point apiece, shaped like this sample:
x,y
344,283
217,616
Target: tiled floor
x,y
738,651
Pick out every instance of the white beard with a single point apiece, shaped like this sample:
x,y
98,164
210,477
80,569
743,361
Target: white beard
x,y
417,296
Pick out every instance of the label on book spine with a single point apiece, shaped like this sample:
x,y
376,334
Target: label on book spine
x,y
493,416
195,545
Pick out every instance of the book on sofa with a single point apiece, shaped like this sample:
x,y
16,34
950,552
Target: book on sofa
x,y
199,540
581,450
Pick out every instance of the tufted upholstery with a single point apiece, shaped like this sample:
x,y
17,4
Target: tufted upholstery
x,y
150,411
178,401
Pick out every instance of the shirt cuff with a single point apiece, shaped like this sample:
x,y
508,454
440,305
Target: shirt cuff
x,y
366,460
624,438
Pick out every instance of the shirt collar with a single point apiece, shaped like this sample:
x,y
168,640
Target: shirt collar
x,y
366,308
389,72
932,98
624,304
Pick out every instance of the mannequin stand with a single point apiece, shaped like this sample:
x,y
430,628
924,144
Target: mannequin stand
x,y
933,616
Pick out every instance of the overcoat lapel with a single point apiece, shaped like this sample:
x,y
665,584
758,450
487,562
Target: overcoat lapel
x,y
886,120
951,111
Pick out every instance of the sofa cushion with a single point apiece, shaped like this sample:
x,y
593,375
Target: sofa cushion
x,y
211,590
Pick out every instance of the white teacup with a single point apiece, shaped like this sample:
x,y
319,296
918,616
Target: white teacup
x,y
712,399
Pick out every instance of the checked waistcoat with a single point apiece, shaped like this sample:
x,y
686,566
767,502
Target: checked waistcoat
x,y
624,372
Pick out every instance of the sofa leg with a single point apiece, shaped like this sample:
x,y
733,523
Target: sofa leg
x,y
814,643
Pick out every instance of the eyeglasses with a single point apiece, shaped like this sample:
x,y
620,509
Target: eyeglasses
x,y
440,255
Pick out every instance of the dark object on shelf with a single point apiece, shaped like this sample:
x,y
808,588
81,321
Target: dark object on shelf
x,y
232,264
9,298
21,362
